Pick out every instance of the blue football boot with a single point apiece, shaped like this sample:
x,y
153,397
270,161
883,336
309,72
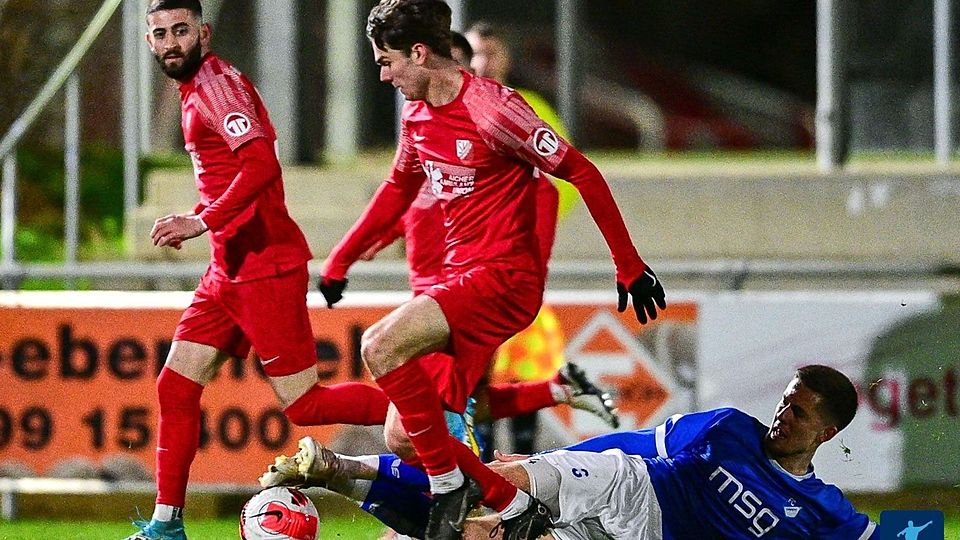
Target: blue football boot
x,y
159,530
461,427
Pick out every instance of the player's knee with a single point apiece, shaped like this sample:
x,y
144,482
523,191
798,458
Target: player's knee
x,y
399,444
374,351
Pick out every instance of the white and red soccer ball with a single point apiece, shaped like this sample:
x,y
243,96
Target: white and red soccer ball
x,y
279,513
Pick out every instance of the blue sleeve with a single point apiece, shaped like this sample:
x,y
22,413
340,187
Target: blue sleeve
x,y
843,520
858,528
666,440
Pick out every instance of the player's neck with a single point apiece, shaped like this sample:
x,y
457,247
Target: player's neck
x,y
797,464
445,85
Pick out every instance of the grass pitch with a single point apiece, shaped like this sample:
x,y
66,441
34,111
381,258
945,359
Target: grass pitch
x,y
358,527
345,528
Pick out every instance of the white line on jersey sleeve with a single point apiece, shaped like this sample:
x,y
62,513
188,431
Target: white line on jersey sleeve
x,y
661,435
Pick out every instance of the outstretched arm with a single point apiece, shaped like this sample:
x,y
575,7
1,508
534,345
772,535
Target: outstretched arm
x,y
515,130
634,276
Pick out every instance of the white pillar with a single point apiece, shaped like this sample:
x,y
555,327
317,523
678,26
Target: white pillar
x,y
830,122
278,70
134,28
71,166
942,88
568,72
345,37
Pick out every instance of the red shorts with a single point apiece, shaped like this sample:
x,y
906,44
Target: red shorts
x,y
268,313
484,307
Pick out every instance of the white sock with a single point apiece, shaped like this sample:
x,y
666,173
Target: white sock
x,y
446,482
370,461
356,489
516,507
560,393
165,512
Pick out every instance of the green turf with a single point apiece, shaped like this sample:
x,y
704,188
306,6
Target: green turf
x,y
360,528
351,528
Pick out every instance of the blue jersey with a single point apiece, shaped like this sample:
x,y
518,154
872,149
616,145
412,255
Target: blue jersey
x,y
714,481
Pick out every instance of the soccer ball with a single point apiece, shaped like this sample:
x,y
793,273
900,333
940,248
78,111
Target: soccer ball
x,y
279,513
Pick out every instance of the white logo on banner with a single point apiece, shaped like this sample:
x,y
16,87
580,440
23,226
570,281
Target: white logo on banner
x,y
545,142
236,124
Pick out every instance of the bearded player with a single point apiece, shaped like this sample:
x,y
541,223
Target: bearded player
x,y
254,291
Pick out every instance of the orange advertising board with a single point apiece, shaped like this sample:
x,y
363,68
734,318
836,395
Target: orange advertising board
x,y
77,376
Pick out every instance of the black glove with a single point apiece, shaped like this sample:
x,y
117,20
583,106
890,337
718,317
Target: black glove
x,y
645,290
331,289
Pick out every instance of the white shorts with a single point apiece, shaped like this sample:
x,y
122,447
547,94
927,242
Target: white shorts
x,y
602,495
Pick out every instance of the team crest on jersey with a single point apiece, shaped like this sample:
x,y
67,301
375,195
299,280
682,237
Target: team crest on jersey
x,y
545,142
791,510
236,124
449,181
463,148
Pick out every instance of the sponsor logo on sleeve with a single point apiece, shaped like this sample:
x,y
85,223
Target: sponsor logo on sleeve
x,y
236,124
545,142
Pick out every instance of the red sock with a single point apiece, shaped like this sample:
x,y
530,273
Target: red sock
x,y
179,435
509,400
346,403
498,492
415,397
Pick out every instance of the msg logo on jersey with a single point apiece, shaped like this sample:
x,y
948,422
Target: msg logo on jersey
x,y
449,181
762,520
236,124
545,142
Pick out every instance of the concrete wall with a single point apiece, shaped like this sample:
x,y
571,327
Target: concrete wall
x,y
702,212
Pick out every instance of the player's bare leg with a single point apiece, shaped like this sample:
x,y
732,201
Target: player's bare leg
x,y
414,329
396,437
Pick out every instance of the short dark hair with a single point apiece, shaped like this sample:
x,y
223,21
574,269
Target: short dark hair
x,y
459,41
485,29
166,5
399,24
838,397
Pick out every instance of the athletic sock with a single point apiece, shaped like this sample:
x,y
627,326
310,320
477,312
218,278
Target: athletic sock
x,y
346,403
179,435
413,394
165,512
498,493
509,400
520,502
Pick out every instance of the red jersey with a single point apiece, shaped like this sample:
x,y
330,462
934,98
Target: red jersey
x,y
423,231
480,153
251,233
422,228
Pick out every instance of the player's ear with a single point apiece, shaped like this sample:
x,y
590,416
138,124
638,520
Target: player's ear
x,y
206,32
828,433
418,53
